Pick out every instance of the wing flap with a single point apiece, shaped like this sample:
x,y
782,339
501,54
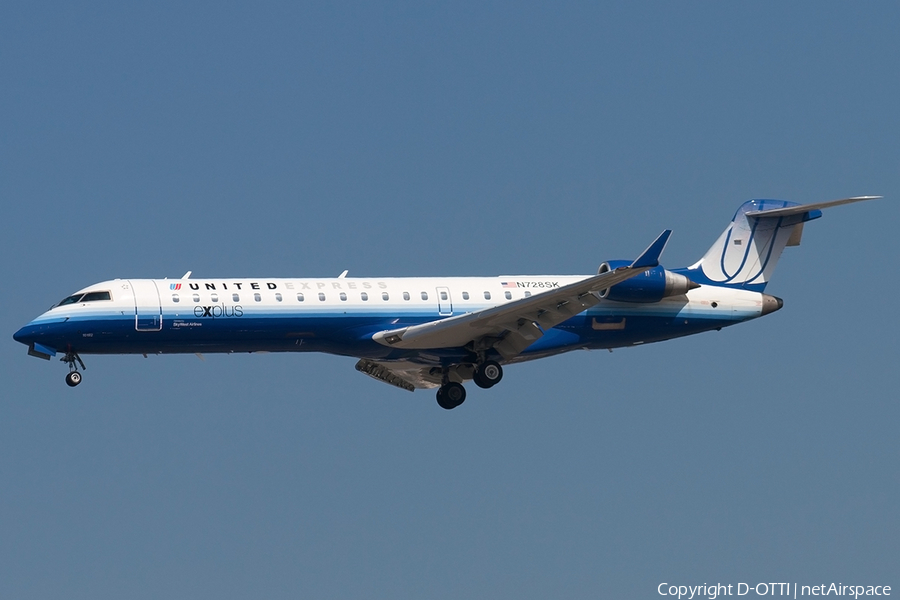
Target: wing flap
x,y
402,375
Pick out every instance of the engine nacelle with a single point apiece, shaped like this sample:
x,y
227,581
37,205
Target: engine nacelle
x,y
651,286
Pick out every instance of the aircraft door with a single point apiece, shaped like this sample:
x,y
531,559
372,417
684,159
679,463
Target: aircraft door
x,y
147,307
445,305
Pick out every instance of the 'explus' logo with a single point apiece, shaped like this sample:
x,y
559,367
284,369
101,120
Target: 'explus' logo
x,y
216,311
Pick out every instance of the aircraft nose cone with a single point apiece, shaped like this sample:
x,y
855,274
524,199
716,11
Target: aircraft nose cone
x,y
21,335
770,304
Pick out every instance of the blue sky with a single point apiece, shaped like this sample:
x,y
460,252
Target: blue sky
x,y
448,139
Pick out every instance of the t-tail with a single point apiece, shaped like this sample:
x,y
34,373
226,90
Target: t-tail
x,y
746,253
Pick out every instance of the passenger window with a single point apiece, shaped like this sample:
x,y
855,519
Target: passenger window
x,y
278,297
299,297
508,295
214,297
424,295
364,296
527,294
94,296
175,298
406,295
196,297
321,297
384,296
443,295
343,297
257,297
487,295
235,298
465,295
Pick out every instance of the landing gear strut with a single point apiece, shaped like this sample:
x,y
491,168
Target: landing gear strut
x,y
488,374
450,395
73,360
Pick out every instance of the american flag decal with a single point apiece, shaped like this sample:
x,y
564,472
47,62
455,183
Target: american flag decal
x,y
174,286
509,284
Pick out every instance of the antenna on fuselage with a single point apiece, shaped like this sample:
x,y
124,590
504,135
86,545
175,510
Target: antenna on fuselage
x,y
187,275
344,274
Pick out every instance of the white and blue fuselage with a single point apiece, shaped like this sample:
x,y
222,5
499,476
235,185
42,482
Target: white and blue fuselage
x,y
340,316
434,332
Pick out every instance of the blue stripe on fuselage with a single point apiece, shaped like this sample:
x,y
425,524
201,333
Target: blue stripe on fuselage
x,y
347,332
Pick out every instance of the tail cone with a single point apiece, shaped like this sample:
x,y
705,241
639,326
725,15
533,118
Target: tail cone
x,y
770,304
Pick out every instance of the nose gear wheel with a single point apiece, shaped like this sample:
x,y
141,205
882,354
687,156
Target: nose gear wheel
x,y
73,360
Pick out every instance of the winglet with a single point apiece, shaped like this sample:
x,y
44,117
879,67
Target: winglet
x,y
650,257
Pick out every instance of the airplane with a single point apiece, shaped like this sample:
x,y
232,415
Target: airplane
x,y
419,333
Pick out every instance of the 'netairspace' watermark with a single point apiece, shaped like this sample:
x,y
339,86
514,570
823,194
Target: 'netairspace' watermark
x,y
713,591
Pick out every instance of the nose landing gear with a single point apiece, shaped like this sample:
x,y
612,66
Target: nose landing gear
x,y
73,360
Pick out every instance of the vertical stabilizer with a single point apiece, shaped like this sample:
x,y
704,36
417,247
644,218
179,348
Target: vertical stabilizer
x,y
746,253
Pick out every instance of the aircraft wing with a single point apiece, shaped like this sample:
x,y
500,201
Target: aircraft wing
x,y
404,375
514,326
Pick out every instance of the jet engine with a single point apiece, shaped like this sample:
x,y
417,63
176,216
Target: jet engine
x,y
651,286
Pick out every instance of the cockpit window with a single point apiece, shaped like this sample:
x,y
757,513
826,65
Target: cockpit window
x,y
71,300
94,296
89,297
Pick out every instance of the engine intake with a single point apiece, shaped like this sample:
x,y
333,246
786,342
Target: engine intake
x,y
651,286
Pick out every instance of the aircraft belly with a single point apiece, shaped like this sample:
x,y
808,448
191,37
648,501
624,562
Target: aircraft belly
x,y
614,331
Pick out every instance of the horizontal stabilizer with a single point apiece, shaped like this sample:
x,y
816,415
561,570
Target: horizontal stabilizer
x,y
747,251
802,208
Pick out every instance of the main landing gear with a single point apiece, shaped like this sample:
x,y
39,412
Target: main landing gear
x,y
73,360
488,374
451,394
